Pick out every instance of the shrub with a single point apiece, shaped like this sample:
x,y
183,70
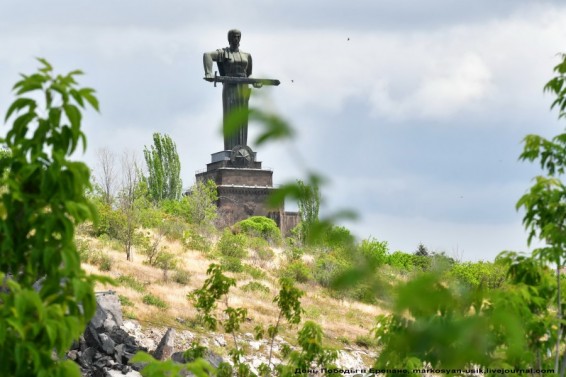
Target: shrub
x,y
182,276
294,253
173,228
401,261
260,226
166,261
254,286
375,252
195,241
152,300
338,237
195,351
177,208
327,267
422,262
254,272
104,262
486,274
232,264
232,245
261,248
297,271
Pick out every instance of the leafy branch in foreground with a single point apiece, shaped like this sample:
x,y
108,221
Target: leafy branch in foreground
x,y
43,200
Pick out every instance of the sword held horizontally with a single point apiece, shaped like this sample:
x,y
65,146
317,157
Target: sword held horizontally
x,y
241,80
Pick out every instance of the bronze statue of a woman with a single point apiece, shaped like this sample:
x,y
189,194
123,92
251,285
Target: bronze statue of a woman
x,y
232,63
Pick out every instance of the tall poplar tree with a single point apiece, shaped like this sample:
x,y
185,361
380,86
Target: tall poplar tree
x,y
164,169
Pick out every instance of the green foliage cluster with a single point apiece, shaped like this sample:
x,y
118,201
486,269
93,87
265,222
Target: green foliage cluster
x,y
484,274
153,300
196,241
201,204
259,226
298,271
232,245
41,203
262,251
94,257
131,282
254,286
181,276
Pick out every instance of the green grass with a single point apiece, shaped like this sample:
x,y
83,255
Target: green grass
x,y
152,300
254,286
132,282
124,301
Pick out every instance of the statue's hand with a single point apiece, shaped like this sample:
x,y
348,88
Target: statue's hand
x,y
257,85
209,78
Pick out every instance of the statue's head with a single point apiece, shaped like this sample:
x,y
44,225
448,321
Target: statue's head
x,y
234,37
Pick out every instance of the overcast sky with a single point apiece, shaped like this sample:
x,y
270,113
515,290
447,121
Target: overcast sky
x,y
413,109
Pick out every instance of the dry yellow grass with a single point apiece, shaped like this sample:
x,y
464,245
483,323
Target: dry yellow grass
x,y
340,319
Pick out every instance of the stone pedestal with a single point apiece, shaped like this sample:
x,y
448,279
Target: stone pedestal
x,y
243,190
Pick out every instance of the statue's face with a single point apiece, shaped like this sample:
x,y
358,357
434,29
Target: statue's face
x,y
235,40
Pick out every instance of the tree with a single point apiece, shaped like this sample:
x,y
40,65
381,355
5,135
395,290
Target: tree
x,y
107,175
131,177
421,250
201,200
164,169
42,203
545,203
309,205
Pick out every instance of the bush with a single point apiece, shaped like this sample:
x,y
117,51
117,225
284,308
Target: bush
x,y
375,252
294,253
337,237
486,274
152,300
232,245
195,351
261,248
327,267
260,226
297,271
232,264
166,261
94,257
401,261
254,286
173,229
182,276
194,241
104,262
177,208
254,272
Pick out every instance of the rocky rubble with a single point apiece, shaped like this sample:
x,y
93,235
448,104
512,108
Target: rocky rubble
x,y
108,344
105,348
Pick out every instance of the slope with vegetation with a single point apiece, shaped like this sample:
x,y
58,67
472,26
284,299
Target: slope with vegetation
x,y
319,289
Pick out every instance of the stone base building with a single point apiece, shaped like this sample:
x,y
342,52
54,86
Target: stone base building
x,y
243,188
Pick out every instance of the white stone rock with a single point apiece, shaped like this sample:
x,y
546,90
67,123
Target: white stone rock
x,y
255,345
220,341
117,373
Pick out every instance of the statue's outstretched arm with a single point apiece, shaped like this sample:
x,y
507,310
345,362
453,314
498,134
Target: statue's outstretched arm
x,y
207,59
